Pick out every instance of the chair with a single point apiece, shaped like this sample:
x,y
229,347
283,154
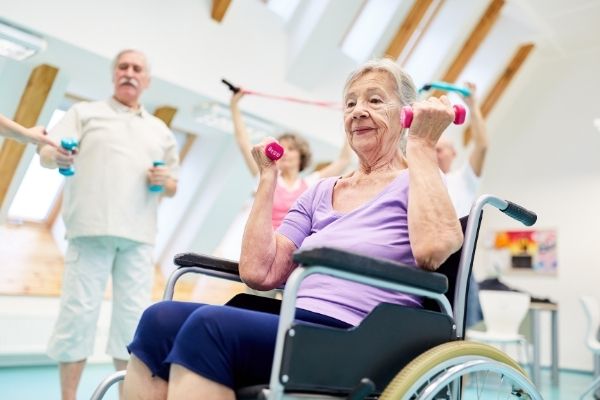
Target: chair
x,y
396,352
503,313
592,312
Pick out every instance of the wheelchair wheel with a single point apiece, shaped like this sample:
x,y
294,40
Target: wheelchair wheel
x,y
436,374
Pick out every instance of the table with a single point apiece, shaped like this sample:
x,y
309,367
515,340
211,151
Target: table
x,y
535,310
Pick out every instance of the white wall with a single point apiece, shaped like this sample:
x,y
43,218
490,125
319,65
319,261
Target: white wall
x,y
544,155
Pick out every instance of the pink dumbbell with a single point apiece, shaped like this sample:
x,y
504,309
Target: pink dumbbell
x,y
274,151
406,115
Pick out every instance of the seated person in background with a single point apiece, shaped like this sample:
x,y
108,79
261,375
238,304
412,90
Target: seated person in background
x,y
35,135
196,351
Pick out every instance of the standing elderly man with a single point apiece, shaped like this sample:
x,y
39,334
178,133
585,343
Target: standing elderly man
x,y
110,215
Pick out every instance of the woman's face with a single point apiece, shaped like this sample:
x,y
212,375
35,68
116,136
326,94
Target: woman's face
x,y
372,115
290,161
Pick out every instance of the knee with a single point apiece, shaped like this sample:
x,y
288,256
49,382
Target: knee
x,y
160,317
210,318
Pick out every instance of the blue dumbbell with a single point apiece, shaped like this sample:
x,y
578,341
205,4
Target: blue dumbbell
x,y
157,188
68,144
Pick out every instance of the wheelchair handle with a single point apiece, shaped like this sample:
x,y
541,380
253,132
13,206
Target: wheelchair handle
x,y
519,213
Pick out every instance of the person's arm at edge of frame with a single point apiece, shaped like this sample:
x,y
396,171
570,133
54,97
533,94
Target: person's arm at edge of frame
x,y
433,226
266,258
35,135
478,130
241,133
338,166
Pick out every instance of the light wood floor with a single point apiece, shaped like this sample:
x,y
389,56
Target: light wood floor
x,y
31,264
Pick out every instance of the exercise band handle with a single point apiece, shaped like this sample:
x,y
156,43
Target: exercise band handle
x,y
406,115
230,85
448,87
327,104
519,213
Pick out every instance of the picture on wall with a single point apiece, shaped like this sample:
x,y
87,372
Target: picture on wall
x,y
529,250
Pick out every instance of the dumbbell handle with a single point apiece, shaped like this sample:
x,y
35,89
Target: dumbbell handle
x,y
406,115
274,151
68,144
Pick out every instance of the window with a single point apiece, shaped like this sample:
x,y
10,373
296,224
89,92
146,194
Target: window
x,y
284,8
368,28
39,189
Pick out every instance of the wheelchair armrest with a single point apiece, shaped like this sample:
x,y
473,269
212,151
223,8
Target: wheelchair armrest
x,y
206,262
373,267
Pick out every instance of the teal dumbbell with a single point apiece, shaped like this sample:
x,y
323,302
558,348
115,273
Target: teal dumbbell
x,y
157,188
448,87
68,144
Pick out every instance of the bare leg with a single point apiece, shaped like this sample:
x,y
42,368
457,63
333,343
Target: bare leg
x,y
187,385
70,374
120,365
140,384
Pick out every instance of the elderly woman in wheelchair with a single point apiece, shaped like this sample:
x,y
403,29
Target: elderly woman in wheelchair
x,y
393,213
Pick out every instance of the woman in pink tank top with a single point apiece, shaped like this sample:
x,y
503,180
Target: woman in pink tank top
x,y
296,157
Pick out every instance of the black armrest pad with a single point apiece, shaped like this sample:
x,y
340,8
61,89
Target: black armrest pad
x,y
373,267
208,262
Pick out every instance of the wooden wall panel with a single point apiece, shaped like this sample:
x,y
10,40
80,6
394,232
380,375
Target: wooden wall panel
x,y
30,107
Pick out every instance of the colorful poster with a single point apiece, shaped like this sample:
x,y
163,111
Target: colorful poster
x,y
529,250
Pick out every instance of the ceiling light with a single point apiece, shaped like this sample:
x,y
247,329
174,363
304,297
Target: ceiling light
x,y
597,124
18,43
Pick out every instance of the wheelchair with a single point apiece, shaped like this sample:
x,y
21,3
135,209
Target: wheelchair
x,y
396,352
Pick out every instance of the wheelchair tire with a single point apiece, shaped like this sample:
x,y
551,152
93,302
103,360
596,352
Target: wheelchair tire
x,y
412,381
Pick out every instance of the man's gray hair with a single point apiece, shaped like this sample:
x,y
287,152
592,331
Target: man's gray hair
x,y
119,54
405,87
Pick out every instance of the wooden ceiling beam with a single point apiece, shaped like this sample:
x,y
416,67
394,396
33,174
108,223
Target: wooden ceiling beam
x,y
407,28
477,36
190,139
502,83
165,114
219,8
28,111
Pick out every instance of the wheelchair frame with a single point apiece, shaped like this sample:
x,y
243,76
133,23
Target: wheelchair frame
x,y
442,373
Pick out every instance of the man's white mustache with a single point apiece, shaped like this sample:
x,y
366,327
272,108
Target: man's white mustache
x,y
132,81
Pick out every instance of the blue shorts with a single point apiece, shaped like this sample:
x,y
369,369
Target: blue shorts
x,y
226,344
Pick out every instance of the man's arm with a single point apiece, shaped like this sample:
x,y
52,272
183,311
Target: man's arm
x,y
35,135
170,187
479,131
